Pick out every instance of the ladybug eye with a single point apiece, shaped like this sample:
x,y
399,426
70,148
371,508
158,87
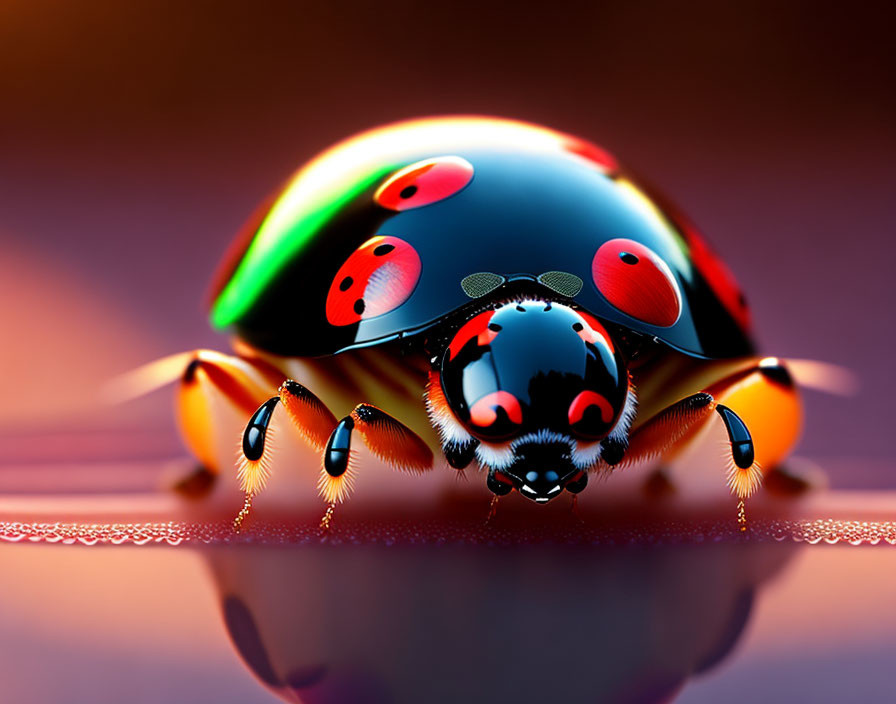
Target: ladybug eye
x,y
496,415
424,182
637,282
378,277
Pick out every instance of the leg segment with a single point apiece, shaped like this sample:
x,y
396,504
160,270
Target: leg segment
x,y
214,384
760,409
388,439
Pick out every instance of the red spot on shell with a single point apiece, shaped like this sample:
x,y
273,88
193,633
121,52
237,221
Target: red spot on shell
x,y
424,182
377,278
584,401
719,277
709,265
637,282
484,411
475,327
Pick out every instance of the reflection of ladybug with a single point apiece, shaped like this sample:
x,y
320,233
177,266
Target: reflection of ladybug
x,y
561,320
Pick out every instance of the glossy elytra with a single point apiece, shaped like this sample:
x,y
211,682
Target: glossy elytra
x,y
555,318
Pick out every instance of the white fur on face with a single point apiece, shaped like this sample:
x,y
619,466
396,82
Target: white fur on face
x,y
495,456
450,430
626,418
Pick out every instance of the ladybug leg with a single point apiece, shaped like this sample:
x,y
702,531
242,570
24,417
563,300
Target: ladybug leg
x,y
215,390
765,399
309,416
388,439
668,430
760,408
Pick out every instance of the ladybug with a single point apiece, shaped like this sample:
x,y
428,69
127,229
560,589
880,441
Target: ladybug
x,y
493,292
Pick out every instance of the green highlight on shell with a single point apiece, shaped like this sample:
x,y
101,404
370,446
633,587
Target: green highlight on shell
x,y
282,234
337,176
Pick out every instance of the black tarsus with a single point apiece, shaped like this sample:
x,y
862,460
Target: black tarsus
x,y
739,435
257,429
336,455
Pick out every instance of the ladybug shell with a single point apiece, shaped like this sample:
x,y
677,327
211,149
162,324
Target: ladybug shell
x,y
388,233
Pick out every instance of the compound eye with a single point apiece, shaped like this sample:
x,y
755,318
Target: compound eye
x,y
424,182
377,278
590,415
637,282
497,415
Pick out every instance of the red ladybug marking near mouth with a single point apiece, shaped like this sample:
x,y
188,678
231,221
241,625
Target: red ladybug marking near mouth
x,y
637,282
378,277
424,182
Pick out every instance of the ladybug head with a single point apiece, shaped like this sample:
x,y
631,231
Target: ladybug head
x,y
534,390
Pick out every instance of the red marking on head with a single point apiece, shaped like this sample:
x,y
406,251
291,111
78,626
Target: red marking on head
x,y
594,332
424,182
475,327
637,282
484,411
585,400
378,277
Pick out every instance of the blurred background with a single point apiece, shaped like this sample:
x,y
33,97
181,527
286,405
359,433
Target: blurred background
x,y
136,137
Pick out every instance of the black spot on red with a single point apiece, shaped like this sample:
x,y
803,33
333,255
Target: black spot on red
x,y
637,282
377,278
424,182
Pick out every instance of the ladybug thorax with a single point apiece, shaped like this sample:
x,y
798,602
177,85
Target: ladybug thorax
x,y
534,367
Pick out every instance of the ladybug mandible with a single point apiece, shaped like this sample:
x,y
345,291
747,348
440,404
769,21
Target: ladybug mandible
x,y
550,318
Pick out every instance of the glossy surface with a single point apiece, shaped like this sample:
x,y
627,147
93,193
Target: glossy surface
x,y
338,450
425,182
533,366
377,278
739,435
257,429
534,205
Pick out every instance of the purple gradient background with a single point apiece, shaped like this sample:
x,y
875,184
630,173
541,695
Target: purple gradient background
x,y
136,137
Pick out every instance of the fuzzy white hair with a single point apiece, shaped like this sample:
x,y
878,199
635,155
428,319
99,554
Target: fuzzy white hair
x,y
585,455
